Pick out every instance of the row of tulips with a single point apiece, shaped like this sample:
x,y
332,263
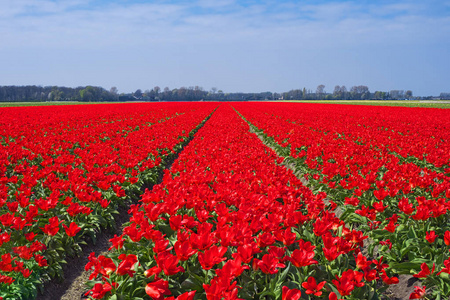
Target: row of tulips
x,y
401,206
229,221
419,134
64,173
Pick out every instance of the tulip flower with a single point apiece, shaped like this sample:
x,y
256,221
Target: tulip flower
x,y
312,287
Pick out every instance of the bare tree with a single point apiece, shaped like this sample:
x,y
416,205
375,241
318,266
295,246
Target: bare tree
x,y
337,92
182,91
408,94
198,90
360,92
114,90
320,90
397,94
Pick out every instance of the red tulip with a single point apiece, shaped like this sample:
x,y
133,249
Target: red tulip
x,y
312,287
290,294
169,263
419,292
126,265
53,226
211,257
72,230
431,236
269,264
99,290
157,289
301,258
447,238
424,271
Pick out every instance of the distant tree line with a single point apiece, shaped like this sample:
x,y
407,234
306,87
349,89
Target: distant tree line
x,y
192,93
359,92
197,93
35,93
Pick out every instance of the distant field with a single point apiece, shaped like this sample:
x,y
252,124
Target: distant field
x,y
432,104
13,104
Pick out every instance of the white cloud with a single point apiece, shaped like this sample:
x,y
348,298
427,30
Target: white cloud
x,y
69,23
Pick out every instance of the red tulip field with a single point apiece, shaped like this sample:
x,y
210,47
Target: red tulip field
x,y
262,201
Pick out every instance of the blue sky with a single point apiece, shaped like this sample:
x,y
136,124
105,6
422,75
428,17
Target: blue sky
x,y
236,46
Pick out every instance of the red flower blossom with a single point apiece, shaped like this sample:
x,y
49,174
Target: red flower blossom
x,y
126,265
203,239
388,280
287,237
184,296
42,262
447,267
380,194
117,242
447,238
23,252
278,252
53,226
405,206
161,245
157,289
26,273
232,268
391,226
351,201
424,271
312,287
362,262
290,294
6,279
211,257
72,230
269,264
168,263
99,290
175,222
153,271
30,236
431,236
265,239
419,292
302,257
184,250
380,266
348,281
379,207
333,296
